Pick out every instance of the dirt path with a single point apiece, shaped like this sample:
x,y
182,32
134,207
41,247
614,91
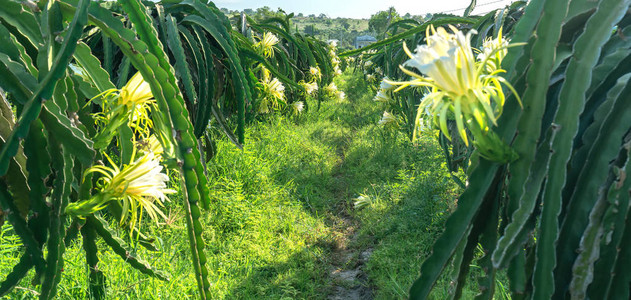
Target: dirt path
x,y
350,281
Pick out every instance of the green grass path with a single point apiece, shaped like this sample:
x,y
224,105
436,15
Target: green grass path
x,y
283,224
326,160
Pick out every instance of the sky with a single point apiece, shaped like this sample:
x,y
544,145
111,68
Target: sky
x,y
363,8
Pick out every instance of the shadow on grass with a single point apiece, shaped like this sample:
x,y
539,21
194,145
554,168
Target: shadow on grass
x,y
407,218
303,275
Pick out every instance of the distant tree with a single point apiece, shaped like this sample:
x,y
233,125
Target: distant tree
x,y
311,16
407,16
322,16
264,12
310,29
345,24
381,20
300,15
248,11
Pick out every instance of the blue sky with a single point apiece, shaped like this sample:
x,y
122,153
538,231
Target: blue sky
x,y
363,8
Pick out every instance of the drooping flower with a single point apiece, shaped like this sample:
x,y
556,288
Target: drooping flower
x,y
264,106
388,120
273,94
315,72
341,96
298,107
332,91
137,96
381,97
461,85
363,201
447,60
309,87
275,88
335,60
331,88
266,44
140,186
130,105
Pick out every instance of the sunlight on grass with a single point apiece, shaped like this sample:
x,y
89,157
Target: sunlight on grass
x,y
271,229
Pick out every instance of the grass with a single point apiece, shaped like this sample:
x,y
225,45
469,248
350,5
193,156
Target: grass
x,y
278,211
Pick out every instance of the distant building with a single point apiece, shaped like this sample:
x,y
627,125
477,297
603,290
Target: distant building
x,y
363,41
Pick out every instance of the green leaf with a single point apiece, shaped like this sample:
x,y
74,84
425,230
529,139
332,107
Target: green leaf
x,y
62,128
96,75
96,279
469,9
122,249
17,180
209,90
62,164
484,175
582,203
16,80
33,106
511,242
242,92
589,247
19,271
38,165
181,66
534,104
23,20
20,227
194,179
587,50
613,227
